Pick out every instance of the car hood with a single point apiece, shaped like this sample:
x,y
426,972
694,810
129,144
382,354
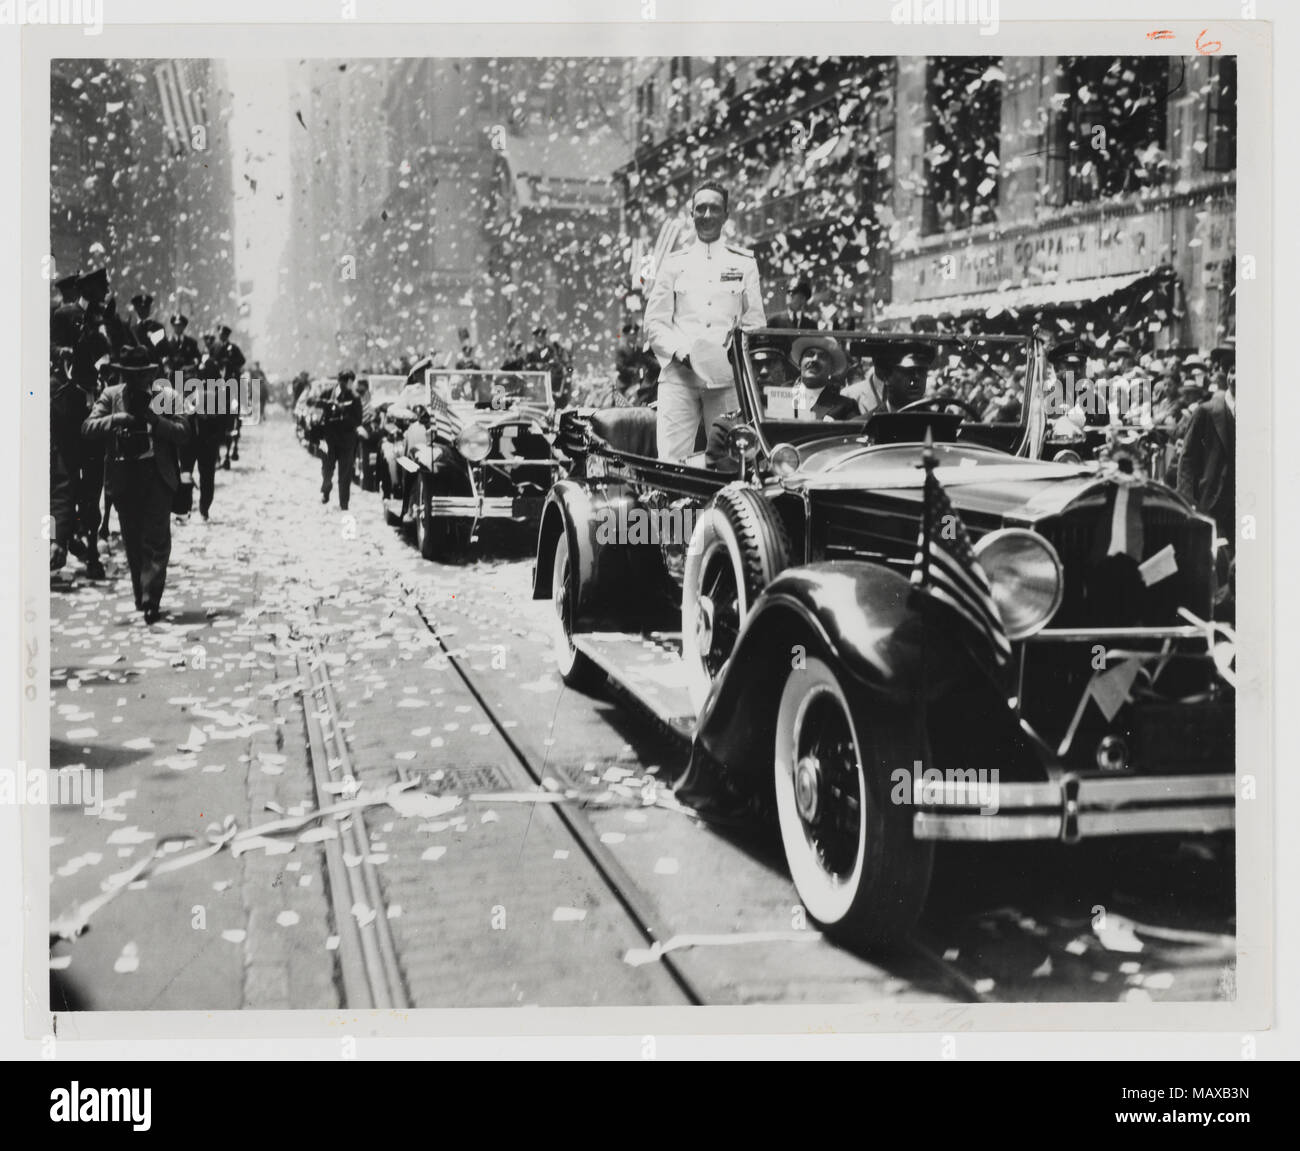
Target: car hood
x,y
986,482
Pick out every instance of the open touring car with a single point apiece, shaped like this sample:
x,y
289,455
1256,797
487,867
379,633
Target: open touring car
x,y
761,602
464,446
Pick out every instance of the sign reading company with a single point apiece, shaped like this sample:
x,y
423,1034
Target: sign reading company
x,y
1107,246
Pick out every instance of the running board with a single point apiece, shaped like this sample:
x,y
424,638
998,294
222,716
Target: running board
x,y
648,669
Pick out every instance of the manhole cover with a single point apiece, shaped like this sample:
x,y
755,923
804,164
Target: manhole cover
x,y
464,780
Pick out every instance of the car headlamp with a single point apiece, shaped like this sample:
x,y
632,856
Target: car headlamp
x,y
785,460
474,442
1027,579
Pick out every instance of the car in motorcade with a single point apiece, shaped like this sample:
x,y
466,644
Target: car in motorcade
x,y
463,446
778,615
370,436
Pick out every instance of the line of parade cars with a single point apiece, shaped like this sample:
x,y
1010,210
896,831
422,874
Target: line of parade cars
x,y
764,608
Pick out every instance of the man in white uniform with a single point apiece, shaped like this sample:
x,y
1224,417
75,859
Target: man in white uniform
x,y
698,294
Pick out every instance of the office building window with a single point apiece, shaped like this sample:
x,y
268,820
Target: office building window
x,y
1221,115
963,125
1109,129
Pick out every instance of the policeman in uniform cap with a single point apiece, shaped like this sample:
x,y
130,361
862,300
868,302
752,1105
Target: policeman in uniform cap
x,y
182,350
138,420
699,293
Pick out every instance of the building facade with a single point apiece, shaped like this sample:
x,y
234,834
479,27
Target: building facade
x,y
1092,195
440,196
140,182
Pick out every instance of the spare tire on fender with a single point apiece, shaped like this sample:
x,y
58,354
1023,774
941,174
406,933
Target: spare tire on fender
x,y
739,545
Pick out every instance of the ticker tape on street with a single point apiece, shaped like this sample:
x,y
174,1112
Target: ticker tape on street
x,y
227,835
640,956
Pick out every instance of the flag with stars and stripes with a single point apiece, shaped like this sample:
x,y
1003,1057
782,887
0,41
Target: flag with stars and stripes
x,y
947,569
446,424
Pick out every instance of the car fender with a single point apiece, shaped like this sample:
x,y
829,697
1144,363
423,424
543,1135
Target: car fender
x,y
900,649
613,586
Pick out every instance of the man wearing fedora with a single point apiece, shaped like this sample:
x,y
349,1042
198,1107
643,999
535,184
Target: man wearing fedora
x,y
822,364
699,292
547,355
138,421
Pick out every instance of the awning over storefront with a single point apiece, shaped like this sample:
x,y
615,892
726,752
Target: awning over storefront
x,y
993,304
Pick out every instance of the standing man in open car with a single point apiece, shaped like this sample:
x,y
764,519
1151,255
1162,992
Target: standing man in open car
x,y
699,292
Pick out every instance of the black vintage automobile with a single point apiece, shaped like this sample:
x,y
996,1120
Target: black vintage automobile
x,y
464,446
765,608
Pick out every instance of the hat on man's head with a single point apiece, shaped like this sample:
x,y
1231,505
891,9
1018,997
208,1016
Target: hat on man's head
x,y
1224,357
839,361
1194,363
142,302
135,362
179,320
539,329
799,287
886,357
463,335
1068,353
67,287
224,330
94,285
347,374
1121,348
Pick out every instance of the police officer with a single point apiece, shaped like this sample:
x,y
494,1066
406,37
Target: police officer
x,y
699,292
182,350
548,355
342,418
138,422
230,362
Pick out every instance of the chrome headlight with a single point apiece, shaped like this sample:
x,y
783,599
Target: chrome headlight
x,y
1027,577
785,460
474,442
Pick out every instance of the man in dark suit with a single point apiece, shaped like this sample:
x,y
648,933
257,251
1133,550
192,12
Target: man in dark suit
x,y
1207,471
339,438
796,316
148,332
822,364
230,362
182,350
138,420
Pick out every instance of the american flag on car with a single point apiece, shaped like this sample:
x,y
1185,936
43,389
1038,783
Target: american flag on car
x,y
446,424
946,567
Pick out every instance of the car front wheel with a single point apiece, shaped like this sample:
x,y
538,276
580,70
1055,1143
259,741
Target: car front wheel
x,y
855,863
738,547
575,668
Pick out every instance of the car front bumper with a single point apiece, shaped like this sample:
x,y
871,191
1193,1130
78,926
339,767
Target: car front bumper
x,y
1071,808
487,507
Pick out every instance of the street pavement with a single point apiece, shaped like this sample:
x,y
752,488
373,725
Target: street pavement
x,y
198,724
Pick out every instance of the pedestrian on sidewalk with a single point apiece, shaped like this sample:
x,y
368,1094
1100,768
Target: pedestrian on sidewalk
x,y
342,417
139,420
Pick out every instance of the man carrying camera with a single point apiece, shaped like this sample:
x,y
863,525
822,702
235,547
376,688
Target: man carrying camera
x,y
139,421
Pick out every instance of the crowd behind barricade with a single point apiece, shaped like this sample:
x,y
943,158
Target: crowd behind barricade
x,y
134,412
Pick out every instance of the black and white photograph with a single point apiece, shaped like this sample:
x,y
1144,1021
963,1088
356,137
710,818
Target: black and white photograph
x,y
546,530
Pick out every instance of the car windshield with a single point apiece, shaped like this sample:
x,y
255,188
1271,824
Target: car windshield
x,y
500,391
841,377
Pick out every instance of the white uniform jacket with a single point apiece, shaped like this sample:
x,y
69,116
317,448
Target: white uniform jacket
x,y
699,293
